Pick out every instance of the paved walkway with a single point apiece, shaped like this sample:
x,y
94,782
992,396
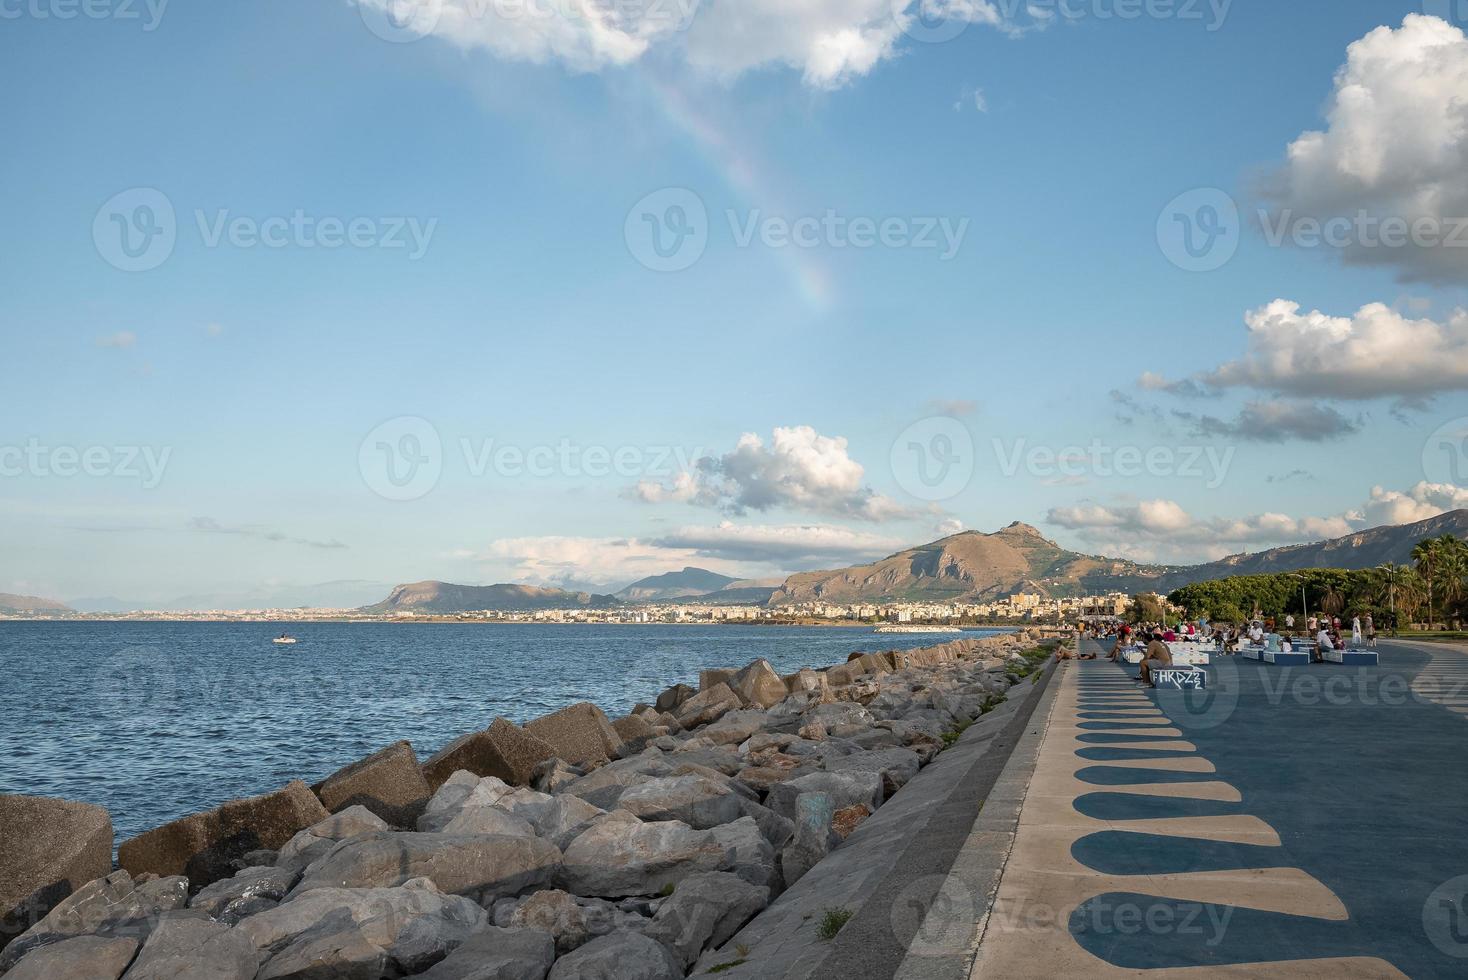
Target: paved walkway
x,y
1293,822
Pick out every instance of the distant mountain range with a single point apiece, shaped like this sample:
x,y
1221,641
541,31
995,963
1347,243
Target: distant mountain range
x,y
29,603
442,597
698,585
1021,559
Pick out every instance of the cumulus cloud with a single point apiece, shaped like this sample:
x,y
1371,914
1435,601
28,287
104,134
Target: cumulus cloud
x,y
1164,530
799,470
787,545
1276,420
830,42
1378,352
582,562
1395,149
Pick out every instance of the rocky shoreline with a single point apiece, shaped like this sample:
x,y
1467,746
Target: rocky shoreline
x,y
573,847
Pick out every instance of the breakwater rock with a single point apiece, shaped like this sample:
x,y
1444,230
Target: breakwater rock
x,y
576,846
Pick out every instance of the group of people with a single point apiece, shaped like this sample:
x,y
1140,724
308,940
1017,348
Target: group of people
x,y
1320,635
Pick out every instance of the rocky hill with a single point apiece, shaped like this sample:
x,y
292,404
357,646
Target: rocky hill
x,y
442,597
974,565
674,585
1021,559
30,604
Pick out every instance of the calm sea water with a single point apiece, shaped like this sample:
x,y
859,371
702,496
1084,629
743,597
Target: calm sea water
x,y
156,720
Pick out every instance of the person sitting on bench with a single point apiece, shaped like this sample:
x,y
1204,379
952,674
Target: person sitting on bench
x,y
1156,655
1322,644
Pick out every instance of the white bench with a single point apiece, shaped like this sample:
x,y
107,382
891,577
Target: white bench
x,y
1353,658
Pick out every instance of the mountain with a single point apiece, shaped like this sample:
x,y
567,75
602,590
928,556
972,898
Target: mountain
x,y
1363,549
975,565
29,603
441,597
674,585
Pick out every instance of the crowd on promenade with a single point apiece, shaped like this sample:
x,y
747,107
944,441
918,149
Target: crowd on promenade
x,y
1317,635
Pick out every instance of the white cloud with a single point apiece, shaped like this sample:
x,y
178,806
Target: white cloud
x,y
1164,530
121,339
1396,147
786,545
573,562
799,470
1377,352
829,41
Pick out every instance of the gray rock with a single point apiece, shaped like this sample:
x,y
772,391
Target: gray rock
x,y
845,789
620,956
558,819
487,820
750,855
775,828
390,783
252,890
78,958
579,734
707,706
619,855
673,698
498,954
111,906
573,922
48,849
482,867
758,684
362,933
813,837
735,727
840,713
185,946
319,838
696,800
705,911
554,775
604,787
895,766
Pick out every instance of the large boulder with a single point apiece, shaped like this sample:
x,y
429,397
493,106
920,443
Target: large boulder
x,y
187,946
758,684
619,855
390,783
362,933
845,789
620,956
707,706
319,838
80,958
604,787
503,750
839,713
579,734
673,697
735,727
704,912
483,867
558,819
895,765
712,677
813,839
252,890
461,791
573,921
695,800
206,846
498,954
48,849
110,906
748,853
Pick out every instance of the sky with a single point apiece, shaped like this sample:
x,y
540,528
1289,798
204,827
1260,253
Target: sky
x,y
304,299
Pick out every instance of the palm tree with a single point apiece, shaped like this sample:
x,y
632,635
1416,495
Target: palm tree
x,y
1425,553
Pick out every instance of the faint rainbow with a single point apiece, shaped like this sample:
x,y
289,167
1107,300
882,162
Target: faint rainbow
x,y
812,281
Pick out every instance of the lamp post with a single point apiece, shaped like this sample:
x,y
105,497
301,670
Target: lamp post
x,y
1391,592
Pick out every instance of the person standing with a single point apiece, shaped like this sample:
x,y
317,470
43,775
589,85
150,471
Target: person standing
x,y
1370,632
1355,631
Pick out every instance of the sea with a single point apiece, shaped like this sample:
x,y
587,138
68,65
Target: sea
x,y
156,720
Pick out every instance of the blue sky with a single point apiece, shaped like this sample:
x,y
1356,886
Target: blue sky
x,y
505,173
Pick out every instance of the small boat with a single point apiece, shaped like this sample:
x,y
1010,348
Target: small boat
x,y
284,640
